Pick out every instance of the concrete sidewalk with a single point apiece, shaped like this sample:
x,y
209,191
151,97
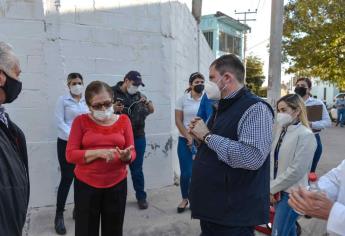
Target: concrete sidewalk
x,y
161,219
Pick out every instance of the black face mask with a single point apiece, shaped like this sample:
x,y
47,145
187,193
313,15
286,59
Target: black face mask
x,y
199,88
301,91
12,89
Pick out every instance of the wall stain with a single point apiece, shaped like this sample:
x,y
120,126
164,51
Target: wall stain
x,y
154,147
168,146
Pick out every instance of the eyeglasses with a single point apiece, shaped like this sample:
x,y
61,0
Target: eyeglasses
x,y
76,83
99,106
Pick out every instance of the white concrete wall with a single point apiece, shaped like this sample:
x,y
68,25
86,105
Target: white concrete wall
x,y
102,40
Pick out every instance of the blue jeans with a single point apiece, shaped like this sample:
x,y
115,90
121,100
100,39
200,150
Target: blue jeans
x,y
317,154
341,116
284,223
185,158
137,168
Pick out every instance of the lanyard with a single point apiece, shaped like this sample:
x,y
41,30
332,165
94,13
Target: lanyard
x,y
276,151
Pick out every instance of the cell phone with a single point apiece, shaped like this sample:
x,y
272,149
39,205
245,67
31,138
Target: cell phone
x,y
120,100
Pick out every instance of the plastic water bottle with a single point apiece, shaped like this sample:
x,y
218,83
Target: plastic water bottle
x,y
313,186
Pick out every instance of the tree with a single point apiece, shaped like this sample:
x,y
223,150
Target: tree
x,y
314,39
254,74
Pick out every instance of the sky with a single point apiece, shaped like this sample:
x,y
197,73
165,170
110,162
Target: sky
x,y
258,38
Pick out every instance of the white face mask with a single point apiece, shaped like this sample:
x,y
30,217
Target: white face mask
x,y
77,89
284,119
133,89
103,115
212,91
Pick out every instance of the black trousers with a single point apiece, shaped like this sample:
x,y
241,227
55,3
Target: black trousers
x,y
212,229
67,175
93,205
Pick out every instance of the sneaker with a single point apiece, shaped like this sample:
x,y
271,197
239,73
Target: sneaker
x,y
60,224
142,204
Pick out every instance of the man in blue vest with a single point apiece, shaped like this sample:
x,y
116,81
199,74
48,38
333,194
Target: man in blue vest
x,y
229,190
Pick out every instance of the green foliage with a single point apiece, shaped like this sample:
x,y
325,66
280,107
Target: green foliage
x,y
254,74
314,39
262,92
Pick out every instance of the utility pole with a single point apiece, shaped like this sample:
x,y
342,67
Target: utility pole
x,y
196,9
245,34
274,71
196,12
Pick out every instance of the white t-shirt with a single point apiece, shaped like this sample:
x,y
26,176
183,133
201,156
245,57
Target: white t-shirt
x,y
189,106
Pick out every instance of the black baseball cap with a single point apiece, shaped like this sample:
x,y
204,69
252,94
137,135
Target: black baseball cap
x,y
135,76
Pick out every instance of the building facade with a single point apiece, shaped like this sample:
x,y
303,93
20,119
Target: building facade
x,y
224,34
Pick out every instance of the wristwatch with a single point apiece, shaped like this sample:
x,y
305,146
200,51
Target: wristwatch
x,y
207,138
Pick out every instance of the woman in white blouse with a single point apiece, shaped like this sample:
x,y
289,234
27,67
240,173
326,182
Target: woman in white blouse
x,y
291,158
67,108
186,109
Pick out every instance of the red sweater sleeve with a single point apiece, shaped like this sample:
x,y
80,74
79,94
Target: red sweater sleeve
x,y
129,139
74,153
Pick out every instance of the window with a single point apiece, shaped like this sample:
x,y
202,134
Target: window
x,y
222,42
229,43
237,46
209,38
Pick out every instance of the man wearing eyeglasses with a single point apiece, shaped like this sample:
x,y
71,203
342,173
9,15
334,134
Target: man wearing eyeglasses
x,y
130,101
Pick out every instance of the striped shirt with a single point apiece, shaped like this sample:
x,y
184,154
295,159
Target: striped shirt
x,y
254,139
3,117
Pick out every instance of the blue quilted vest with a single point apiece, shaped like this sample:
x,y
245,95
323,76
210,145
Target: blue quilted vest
x,y
219,193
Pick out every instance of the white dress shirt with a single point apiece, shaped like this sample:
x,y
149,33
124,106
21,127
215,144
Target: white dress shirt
x,y
326,120
333,183
67,108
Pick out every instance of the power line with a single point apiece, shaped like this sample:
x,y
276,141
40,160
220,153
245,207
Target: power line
x,y
259,43
245,13
245,33
258,4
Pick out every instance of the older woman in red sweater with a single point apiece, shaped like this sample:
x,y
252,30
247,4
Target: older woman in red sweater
x,y
101,146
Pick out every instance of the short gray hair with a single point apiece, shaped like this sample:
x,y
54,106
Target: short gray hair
x,y
8,59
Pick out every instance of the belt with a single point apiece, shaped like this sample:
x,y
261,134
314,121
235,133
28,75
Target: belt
x,y
316,130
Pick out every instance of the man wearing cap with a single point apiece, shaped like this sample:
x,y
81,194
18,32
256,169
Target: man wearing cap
x,y
130,101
